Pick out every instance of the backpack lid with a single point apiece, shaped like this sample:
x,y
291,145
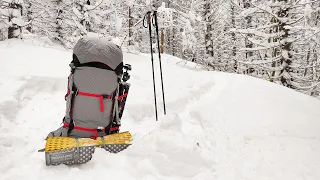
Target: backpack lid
x,y
91,49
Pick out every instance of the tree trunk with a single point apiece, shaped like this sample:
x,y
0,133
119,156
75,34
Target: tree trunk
x,y
130,26
29,14
208,35
162,43
233,37
287,46
247,4
59,20
274,52
169,36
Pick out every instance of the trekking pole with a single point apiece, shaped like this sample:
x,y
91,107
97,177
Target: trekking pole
x,y
157,32
148,15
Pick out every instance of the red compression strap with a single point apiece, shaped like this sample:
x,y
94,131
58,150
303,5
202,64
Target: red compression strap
x,y
122,96
95,131
101,104
94,95
114,128
100,96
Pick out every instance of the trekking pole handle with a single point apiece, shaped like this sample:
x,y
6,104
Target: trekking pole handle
x,y
154,19
148,20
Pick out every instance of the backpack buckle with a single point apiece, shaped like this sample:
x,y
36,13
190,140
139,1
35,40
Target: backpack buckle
x,y
106,96
99,129
76,92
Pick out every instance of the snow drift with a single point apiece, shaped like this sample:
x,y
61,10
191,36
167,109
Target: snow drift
x,y
218,126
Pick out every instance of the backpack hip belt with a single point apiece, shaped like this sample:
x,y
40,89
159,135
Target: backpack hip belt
x,y
95,131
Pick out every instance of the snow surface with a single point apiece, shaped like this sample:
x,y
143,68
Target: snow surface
x,y
218,126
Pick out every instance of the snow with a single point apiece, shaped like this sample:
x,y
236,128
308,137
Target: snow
x,y
247,12
4,12
218,126
15,12
308,10
165,16
285,54
118,24
14,1
77,13
18,21
255,32
116,41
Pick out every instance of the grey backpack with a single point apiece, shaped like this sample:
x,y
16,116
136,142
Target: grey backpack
x,y
97,90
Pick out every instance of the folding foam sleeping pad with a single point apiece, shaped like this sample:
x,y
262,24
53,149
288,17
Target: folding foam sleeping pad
x,y
69,150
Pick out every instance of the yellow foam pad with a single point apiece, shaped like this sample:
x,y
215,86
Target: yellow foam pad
x,y
62,143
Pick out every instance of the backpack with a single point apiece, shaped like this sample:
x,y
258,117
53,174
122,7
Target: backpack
x,y
97,90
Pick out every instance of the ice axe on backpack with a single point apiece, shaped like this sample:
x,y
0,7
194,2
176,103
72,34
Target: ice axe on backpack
x,y
124,88
152,19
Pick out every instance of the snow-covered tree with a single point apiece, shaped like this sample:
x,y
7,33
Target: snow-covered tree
x,y
11,18
282,40
41,16
134,34
277,40
81,18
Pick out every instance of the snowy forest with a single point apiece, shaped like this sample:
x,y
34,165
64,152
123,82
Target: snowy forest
x,y
276,40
